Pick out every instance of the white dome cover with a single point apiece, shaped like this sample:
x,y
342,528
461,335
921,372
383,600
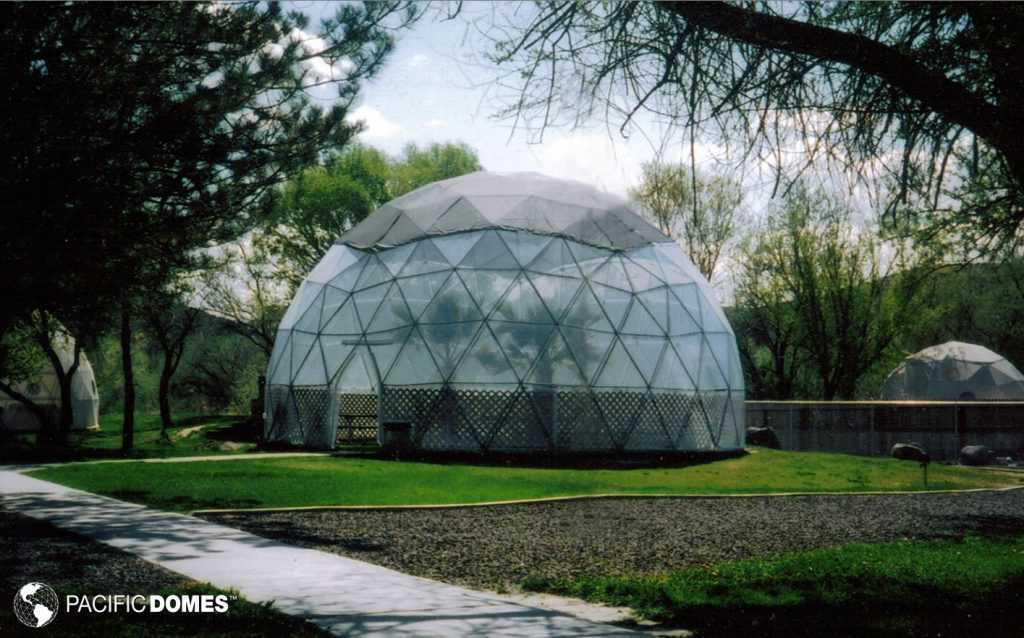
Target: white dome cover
x,y
506,336
954,371
45,391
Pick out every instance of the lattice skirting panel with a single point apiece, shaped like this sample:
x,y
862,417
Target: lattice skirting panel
x,y
300,415
524,419
357,418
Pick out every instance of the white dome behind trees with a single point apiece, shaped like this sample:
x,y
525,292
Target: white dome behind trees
x,y
954,371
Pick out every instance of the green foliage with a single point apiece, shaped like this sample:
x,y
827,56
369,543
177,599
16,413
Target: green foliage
x,y
815,291
703,210
321,480
417,167
21,358
887,586
136,134
315,208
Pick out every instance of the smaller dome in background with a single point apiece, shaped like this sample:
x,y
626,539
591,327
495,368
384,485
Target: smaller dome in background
x,y
954,371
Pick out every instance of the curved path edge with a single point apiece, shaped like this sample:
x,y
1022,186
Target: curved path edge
x,y
343,596
585,497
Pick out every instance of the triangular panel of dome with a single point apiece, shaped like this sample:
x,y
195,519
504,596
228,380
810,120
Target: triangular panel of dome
x,y
394,259
619,371
455,247
672,374
640,277
555,259
671,257
487,286
448,342
722,346
344,321
588,347
346,279
312,371
614,301
392,313
586,312
484,363
358,376
646,353
640,322
689,296
647,258
419,291
524,246
337,259
613,274
425,258
521,303
656,303
373,274
460,216
302,343
555,366
310,319
414,364
680,321
555,292
280,358
385,346
490,253
451,303
367,301
336,349
333,299
588,258
305,296
521,343
711,374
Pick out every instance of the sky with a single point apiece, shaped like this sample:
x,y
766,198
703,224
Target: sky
x,y
436,88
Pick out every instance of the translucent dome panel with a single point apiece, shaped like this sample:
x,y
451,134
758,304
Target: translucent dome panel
x,y
510,340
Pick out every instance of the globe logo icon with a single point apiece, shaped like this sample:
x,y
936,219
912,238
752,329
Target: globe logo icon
x,y
36,605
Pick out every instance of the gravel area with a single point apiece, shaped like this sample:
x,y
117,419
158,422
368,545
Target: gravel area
x,y
496,547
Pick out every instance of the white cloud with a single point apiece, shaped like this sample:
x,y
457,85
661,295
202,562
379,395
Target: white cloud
x,y
435,123
592,158
417,60
378,126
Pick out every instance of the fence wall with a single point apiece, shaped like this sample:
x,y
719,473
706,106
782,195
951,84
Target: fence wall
x,y
872,427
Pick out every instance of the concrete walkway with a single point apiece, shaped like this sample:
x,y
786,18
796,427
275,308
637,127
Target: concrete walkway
x,y
344,596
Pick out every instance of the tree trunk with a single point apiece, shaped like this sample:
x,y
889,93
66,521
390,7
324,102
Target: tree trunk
x,y
128,425
165,396
67,414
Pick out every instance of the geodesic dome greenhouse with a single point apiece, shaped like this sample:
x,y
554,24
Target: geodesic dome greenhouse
x,y
954,371
44,390
511,313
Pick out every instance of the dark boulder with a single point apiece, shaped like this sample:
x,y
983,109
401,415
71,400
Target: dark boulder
x,y
909,452
977,455
763,437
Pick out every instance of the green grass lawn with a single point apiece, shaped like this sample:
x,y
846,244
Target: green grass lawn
x,y
310,481
964,587
191,435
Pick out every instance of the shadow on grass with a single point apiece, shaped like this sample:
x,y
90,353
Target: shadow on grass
x,y
22,448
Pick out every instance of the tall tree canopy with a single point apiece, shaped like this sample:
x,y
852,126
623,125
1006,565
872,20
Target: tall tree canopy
x,y
135,133
928,94
317,206
701,210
